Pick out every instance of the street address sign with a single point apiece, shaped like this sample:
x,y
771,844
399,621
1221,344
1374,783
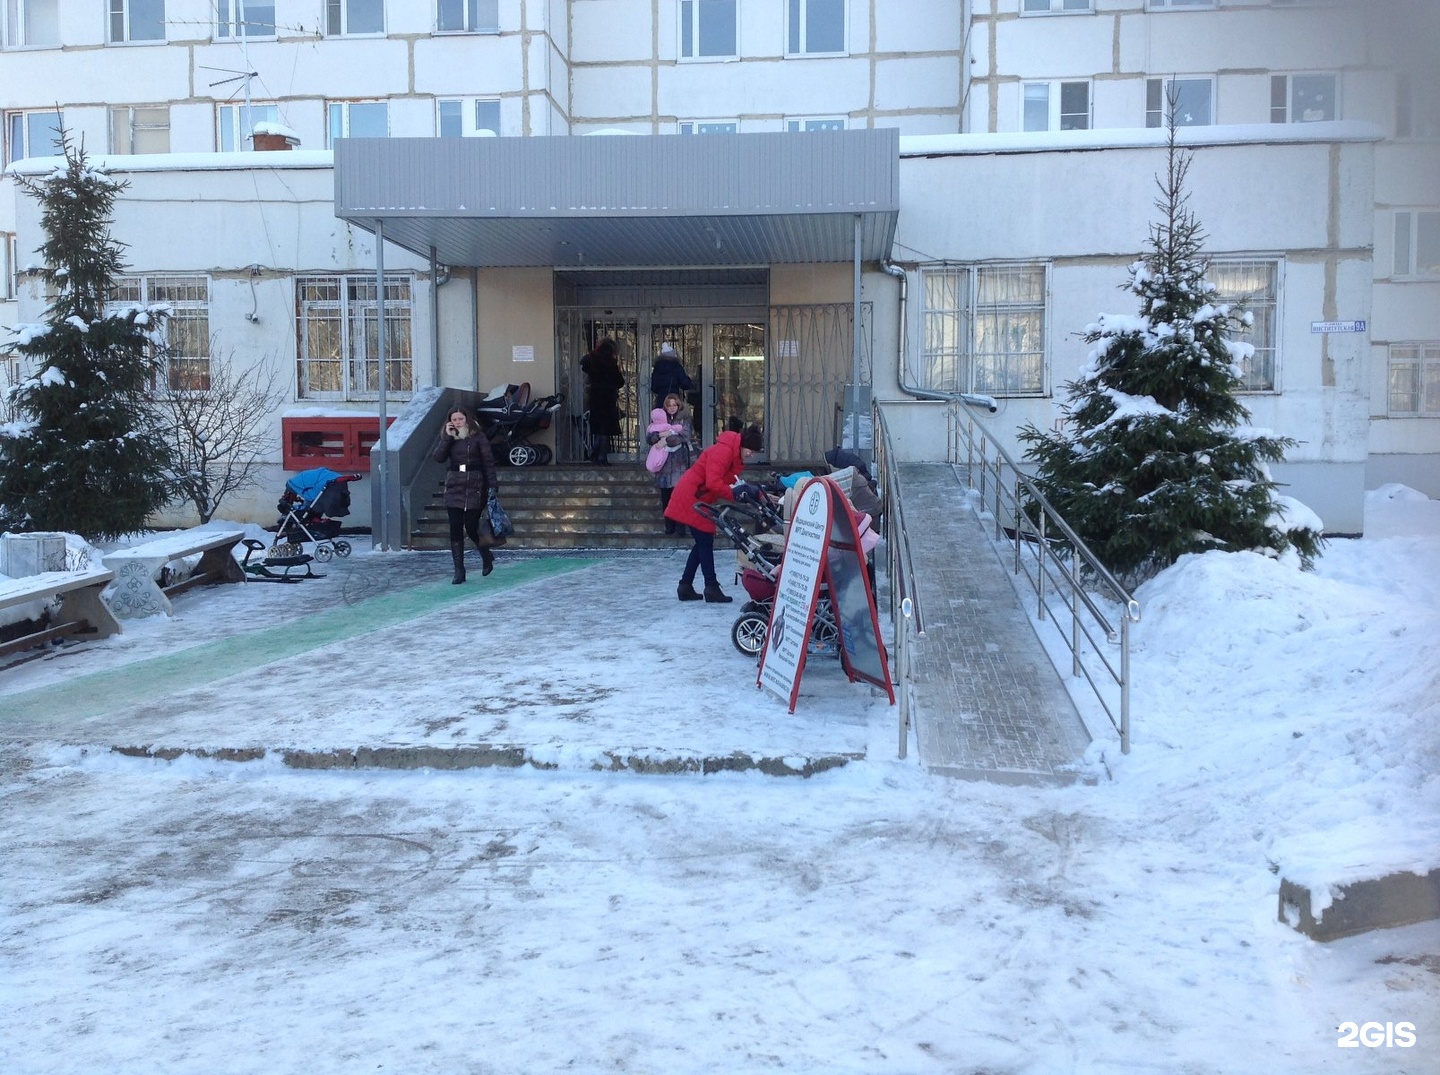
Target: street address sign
x,y
1338,326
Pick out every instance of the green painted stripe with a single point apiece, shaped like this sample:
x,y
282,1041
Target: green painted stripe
x,y
198,666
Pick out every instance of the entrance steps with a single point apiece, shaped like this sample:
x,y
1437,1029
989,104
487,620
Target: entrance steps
x,y
567,506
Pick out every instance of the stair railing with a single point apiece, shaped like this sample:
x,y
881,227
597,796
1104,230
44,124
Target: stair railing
x,y
407,445
1100,653
905,612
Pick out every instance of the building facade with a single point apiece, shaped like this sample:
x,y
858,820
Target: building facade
x,y
1028,134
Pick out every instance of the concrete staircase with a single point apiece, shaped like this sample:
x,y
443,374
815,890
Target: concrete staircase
x,y
567,506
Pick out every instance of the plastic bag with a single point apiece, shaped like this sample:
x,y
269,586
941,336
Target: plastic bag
x,y
500,524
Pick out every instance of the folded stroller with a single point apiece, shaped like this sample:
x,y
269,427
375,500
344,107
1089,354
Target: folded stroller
x,y
509,417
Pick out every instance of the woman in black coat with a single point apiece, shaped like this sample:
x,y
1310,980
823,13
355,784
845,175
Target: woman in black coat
x,y
604,381
469,480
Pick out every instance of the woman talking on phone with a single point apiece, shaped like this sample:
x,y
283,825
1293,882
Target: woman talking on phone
x,y
469,479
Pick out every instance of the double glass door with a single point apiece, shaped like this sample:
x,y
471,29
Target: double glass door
x,y
726,361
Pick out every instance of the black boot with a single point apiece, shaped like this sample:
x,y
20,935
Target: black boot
x,y
488,559
716,596
686,591
457,554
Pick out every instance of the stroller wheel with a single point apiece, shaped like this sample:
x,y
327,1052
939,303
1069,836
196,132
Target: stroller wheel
x,y
748,634
545,454
342,548
523,455
323,553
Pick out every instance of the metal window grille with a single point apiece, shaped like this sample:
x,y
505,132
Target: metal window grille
x,y
338,337
1255,286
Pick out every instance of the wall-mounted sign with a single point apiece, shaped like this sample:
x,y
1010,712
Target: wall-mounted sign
x,y
1338,326
522,352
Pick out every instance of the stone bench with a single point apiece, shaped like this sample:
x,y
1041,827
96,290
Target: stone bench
x,y
82,610
139,589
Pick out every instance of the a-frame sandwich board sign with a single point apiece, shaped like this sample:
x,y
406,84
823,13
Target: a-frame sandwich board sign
x,y
823,547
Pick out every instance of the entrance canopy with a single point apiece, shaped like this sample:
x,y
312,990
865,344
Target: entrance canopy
x,y
639,200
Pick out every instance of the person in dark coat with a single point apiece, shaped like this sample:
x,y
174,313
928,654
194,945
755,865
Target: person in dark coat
x,y
603,383
709,480
668,376
469,481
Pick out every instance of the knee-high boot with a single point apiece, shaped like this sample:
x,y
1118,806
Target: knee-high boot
x,y
457,554
487,558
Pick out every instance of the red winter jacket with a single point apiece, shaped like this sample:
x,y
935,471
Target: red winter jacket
x,y
708,480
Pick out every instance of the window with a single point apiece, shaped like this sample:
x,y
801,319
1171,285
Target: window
x,y
1302,98
1056,106
354,17
140,129
1417,242
467,118
815,123
185,336
7,265
245,18
237,122
359,119
339,337
1253,285
1191,99
467,16
32,134
137,20
1417,106
984,329
707,28
1175,5
707,126
815,27
32,23
1042,7
1414,376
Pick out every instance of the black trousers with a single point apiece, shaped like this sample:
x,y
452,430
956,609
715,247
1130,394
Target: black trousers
x,y
463,522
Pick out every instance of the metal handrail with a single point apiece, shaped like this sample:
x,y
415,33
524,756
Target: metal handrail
x,y
905,611
1002,472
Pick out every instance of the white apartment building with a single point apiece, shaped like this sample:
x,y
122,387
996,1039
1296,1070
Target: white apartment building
x,y
976,176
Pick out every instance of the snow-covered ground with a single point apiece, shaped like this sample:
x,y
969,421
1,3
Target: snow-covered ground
x,y
210,916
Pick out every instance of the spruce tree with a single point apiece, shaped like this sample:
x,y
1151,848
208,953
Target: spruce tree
x,y
83,454
1154,459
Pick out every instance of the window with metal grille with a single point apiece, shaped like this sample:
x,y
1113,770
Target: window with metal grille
x,y
338,337
984,329
1414,380
1255,286
183,337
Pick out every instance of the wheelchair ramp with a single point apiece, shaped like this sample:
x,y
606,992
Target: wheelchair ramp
x,y
987,701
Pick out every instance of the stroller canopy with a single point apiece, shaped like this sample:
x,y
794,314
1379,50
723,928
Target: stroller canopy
x,y
309,484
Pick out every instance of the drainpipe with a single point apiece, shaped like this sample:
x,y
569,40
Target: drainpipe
x,y
988,402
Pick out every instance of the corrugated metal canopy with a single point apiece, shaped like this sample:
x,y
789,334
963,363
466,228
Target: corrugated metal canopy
x,y
644,200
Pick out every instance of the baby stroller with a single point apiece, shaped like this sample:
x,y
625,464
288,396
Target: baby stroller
x,y
311,508
509,417
744,525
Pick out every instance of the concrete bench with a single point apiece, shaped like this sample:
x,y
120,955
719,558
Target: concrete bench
x,y
139,589
82,611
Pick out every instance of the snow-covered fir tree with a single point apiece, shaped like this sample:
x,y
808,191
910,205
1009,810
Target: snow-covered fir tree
x,y
82,453
1155,458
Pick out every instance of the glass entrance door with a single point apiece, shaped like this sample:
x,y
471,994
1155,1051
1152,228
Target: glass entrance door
x,y
726,361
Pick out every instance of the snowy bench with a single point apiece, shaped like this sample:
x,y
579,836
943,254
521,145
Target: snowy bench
x,y
82,611
139,587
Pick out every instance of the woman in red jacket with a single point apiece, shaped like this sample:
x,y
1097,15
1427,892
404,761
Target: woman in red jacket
x,y
709,480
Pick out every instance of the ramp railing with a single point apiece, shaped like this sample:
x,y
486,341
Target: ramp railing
x,y
1056,563
904,600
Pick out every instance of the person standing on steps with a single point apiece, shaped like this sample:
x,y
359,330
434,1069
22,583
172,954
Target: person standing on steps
x,y
709,480
668,376
469,480
670,423
603,381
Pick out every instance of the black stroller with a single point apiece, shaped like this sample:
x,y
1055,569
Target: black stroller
x,y
509,417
